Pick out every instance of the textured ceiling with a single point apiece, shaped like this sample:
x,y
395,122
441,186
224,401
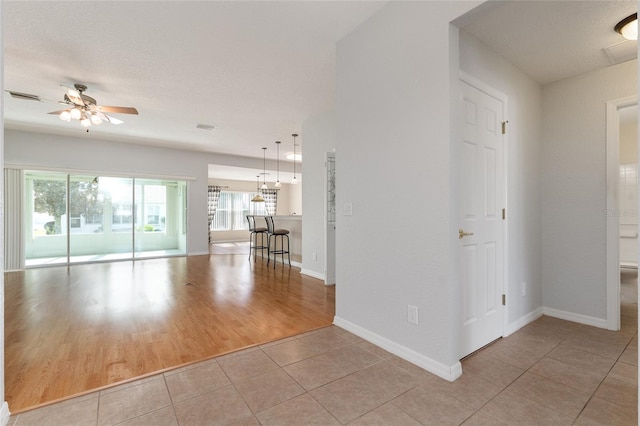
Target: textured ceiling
x,y
552,40
254,70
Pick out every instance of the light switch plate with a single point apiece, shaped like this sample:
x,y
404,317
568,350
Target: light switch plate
x,y
347,209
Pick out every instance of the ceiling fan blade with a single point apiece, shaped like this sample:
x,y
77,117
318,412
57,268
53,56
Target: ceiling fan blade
x,y
117,109
24,96
58,112
73,95
110,119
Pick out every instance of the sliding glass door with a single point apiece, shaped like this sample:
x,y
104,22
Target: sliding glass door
x,y
100,218
159,217
109,218
45,221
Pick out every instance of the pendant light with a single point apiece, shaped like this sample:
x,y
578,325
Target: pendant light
x,y
278,184
264,168
294,181
258,198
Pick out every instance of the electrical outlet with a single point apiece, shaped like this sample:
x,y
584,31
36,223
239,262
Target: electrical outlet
x,y
315,256
524,288
412,314
347,209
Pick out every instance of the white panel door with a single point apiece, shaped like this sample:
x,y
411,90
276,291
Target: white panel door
x,y
481,238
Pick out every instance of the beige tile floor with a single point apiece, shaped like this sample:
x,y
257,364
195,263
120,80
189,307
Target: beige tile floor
x,y
551,372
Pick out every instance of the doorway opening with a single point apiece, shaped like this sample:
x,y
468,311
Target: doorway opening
x,y
622,207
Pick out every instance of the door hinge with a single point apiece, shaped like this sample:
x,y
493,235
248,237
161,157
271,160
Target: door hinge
x,y
504,299
504,214
504,127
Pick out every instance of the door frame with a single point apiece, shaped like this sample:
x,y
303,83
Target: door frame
x,y
502,97
613,222
329,249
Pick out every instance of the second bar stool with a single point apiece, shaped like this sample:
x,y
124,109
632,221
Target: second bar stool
x,y
275,234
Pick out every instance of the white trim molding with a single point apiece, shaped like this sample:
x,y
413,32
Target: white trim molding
x,y
612,221
447,372
97,172
570,316
5,414
313,274
527,319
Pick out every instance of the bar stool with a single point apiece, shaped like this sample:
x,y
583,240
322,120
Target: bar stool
x,y
275,233
253,238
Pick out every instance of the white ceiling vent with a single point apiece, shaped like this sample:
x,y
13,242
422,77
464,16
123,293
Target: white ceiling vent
x,y
205,126
622,52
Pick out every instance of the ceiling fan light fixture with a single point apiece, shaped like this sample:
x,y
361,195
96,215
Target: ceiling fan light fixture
x,y
628,27
65,116
75,113
96,119
85,122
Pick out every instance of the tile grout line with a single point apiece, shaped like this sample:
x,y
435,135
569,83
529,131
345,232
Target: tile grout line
x,y
173,406
527,370
306,392
98,408
593,395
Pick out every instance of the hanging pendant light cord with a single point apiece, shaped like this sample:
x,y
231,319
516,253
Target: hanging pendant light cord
x,y
278,163
295,180
264,168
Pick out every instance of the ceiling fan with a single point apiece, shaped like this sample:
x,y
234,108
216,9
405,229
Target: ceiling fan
x,y
82,107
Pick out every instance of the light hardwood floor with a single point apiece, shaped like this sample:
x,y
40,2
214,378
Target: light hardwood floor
x,y
72,329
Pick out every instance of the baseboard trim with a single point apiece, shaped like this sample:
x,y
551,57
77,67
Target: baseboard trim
x,y
198,253
313,274
570,316
4,414
449,373
529,318
293,262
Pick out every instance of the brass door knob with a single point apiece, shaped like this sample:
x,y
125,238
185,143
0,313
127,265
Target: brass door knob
x,y
461,233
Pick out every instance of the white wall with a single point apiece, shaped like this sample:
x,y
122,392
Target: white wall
x,y
320,138
395,88
574,188
85,153
523,172
295,197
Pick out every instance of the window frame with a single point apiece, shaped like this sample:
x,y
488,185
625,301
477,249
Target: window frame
x,y
232,208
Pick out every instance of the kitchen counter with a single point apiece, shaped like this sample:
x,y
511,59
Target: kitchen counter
x,y
294,224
